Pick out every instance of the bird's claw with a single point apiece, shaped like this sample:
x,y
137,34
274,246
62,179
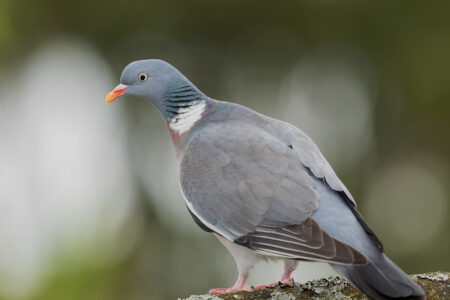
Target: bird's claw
x,y
287,282
245,288
282,283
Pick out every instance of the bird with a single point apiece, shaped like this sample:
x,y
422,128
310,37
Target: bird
x,y
262,187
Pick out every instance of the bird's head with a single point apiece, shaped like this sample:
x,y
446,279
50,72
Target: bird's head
x,y
148,79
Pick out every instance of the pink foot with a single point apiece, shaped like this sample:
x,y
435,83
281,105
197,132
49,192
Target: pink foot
x,y
286,277
240,285
287,281
233,289
269,285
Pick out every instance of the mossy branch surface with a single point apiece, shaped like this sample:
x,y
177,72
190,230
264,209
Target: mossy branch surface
x,y
436,286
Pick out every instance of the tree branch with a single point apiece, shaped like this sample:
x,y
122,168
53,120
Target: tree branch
x,y
436,286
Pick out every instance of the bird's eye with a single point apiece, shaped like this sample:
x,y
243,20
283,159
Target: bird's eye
x,y
143,77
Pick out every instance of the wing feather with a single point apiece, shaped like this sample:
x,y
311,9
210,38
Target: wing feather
x,y
251,187
234,177
287,242
309,155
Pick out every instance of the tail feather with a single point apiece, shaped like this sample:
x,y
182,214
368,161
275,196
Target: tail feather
x,y
381,279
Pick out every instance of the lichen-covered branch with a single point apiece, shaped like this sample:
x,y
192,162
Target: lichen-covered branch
x,y
436,286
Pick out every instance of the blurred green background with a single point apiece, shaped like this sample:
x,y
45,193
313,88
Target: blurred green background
x,y
89,199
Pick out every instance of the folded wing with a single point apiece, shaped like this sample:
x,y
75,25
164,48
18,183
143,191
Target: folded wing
x,y
247,186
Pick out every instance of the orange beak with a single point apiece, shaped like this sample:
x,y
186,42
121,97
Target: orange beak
x,y
116,93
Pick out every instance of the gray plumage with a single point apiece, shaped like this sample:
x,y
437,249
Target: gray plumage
x,y
381,278
263,187
248,186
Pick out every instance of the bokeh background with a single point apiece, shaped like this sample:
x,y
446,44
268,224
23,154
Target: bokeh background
x,y
89,201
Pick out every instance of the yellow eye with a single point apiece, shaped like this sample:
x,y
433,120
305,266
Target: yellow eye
x,y
143,77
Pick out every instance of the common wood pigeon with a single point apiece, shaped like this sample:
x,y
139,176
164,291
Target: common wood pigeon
x,y
262,187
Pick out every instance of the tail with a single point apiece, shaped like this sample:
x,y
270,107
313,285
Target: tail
x,y
381,279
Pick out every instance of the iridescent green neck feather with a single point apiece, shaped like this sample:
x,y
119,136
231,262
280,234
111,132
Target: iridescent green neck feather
x,y
184,105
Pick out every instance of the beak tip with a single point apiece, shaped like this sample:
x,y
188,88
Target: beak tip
x,y
108,98
116,93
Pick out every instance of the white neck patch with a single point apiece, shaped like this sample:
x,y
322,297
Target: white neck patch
x,y
187,117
